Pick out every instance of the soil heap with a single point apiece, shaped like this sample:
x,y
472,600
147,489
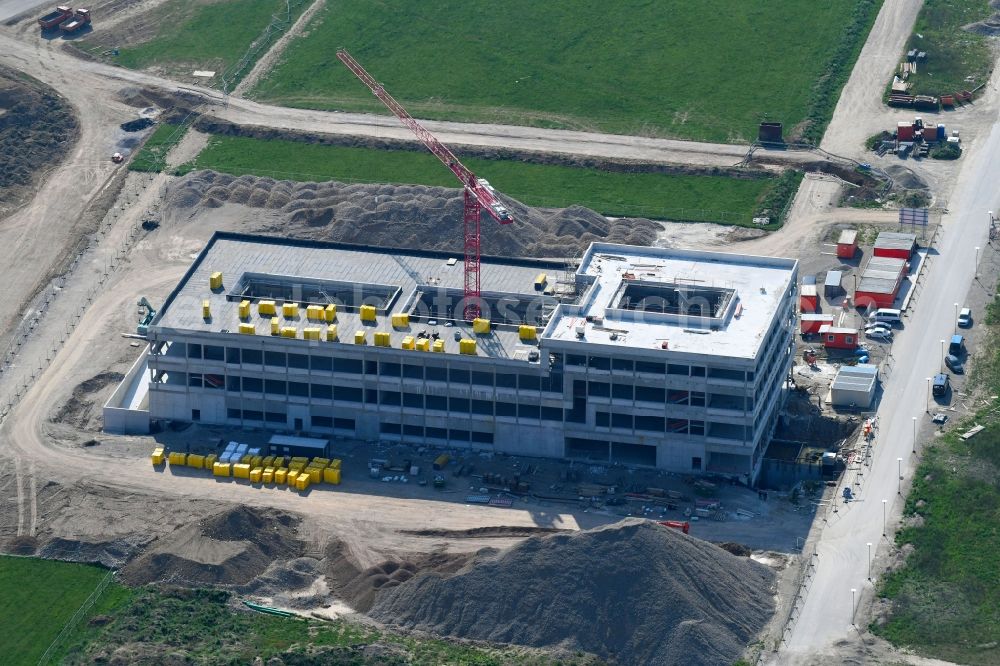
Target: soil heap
x,y
633,592
403,216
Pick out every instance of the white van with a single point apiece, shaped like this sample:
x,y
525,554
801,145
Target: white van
x,y
889,316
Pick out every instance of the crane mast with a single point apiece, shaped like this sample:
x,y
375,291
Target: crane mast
x,y
478,195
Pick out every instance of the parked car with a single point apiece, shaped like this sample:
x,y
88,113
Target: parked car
x,y
965,318
957,345
940,385
872,328
954,364
880,335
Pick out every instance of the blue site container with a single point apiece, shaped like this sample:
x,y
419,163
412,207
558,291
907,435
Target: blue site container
x,y
941,133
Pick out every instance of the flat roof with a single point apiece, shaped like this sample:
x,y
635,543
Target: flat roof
x,y
848,237
895,240
740,295
859,377
881,275
833,278
807,290
396,279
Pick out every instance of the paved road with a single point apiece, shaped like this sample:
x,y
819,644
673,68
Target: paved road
x,y
843,555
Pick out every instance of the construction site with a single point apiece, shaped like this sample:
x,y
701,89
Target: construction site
x,y
435,413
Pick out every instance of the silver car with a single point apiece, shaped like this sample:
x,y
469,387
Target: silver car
x,y
880,335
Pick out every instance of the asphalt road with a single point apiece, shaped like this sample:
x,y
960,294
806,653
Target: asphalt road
x,y
842,551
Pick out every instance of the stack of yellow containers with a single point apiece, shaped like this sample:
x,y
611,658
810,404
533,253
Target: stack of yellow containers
x,y
315,313
280,475
255,474
290,310
407,342
241,470
176,458
331,333
215,281
310,333
196,461
220,469
382,339
275,329
266,308
467,347
248,329
331,313
244,309
210,461
268,475
157,456
423,344
401,320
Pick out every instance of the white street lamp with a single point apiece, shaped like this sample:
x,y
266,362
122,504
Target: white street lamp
x,y
977,262
899,470
942,351
955,325
853,591
914,441
884,502
869,560
928,403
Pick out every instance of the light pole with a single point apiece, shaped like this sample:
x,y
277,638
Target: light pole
x,y
942,353
914,434
955,326
899,470
884,502
977,262
853,591
928,403
869,560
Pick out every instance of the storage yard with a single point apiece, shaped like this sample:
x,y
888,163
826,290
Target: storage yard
x,y
440,425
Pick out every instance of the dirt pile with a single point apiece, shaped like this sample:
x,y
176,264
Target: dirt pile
x,y
82,405
229,548
37,128
409,216
633,592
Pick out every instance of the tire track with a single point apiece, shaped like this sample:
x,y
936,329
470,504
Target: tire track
x,y
20,496
33,498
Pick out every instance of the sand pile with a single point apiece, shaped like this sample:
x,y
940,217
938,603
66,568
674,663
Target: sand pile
x,y
230,548
633,592
403,216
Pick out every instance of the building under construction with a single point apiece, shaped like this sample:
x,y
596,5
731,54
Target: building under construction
x,y
642,356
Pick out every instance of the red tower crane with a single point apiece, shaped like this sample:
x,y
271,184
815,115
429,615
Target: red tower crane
x,y
479,195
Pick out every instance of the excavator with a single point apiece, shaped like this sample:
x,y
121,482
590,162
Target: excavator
x,y
147,318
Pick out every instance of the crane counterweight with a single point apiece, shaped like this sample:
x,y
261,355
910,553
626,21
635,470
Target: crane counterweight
x,y
479,195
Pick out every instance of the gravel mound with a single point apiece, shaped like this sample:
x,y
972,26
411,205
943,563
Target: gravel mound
x,y
633,592
409,216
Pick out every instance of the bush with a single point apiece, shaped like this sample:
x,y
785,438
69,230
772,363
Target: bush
x,y
946,151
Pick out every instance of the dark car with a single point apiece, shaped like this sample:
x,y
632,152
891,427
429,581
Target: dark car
x,y
954,364
940,385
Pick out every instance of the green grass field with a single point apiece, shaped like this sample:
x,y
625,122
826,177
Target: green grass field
x,y
946,599
37,597
198,35
660,196
952,53
152,156
709,70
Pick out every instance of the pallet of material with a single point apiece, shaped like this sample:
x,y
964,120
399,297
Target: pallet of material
x,y
501,501
591,489
477,499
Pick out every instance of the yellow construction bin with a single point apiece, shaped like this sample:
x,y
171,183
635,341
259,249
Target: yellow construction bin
x,y
320,462
206,310
467,347
268,461
280,461
315,313
290,310
241,471
331,312
382,339
359,338
220,469
275,329
526,332
423,344
268,475
367,313
331,333
215,280
300,459
244,309
291,477
401,320
266,308
280,475
248,329
196,461
289,331
540,281
176,458
210,461
246,459
334,464
438,346
331,475
257,461
407,342
310,333
315,473
255,474
296,466
157,456
480,325
302,482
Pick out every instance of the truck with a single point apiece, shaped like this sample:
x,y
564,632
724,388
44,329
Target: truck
x,y
53,19
75,23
